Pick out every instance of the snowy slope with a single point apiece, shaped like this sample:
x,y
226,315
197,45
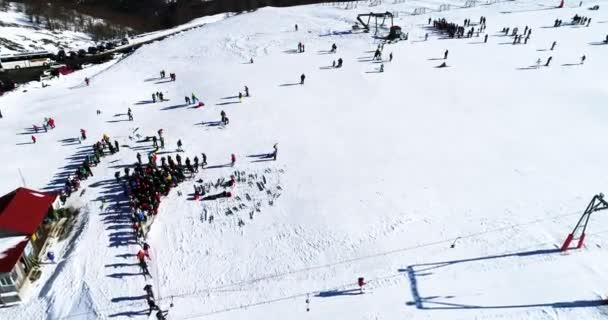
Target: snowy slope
x,y
18,34
377,173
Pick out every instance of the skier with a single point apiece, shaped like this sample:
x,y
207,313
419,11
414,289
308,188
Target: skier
x,y
187,100
232,160
538,62
116,145
179,145
485,39
33,139
361,283
195,163
162,142
204,160
333,64
302,78
426,36
240,97
340,61
0,114
246,91
251,60
130,114
194,98
553,45
382,67
276,150
87,81
154,142
160,97
154,98
152,305
445,55
548,61
390,57
583,58
334,48
178,158
117,176
223,117
83,134
138,158
296,27
149,291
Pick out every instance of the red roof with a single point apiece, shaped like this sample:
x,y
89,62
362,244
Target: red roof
x,y
21,213
11,256
22,210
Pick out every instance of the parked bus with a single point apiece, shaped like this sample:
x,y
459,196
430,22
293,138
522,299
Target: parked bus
x,y
25,60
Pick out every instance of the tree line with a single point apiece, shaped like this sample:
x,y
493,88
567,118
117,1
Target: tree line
x,y
106,19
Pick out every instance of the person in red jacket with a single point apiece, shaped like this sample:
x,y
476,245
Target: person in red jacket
x,y
33,139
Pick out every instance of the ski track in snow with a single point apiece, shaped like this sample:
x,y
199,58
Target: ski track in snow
x,y
377,175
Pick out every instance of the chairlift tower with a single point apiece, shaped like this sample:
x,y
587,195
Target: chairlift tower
x,y
597,203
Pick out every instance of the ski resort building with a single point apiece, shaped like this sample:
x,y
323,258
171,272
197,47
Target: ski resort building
x,y
24,229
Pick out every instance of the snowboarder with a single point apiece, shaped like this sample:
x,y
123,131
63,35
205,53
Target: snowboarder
x,y
445,55
548,61
485,38
583,58
246,91
302,78
179,145
130,114
232,160
553,45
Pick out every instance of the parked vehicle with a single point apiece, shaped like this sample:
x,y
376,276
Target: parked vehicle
x,y
25,60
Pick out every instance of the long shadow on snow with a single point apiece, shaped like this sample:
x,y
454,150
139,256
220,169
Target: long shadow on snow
x,y
419,270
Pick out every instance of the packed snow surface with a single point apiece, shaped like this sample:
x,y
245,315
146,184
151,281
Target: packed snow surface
x,y
449,190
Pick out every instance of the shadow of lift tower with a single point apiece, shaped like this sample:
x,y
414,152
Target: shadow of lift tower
x,y
597,203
